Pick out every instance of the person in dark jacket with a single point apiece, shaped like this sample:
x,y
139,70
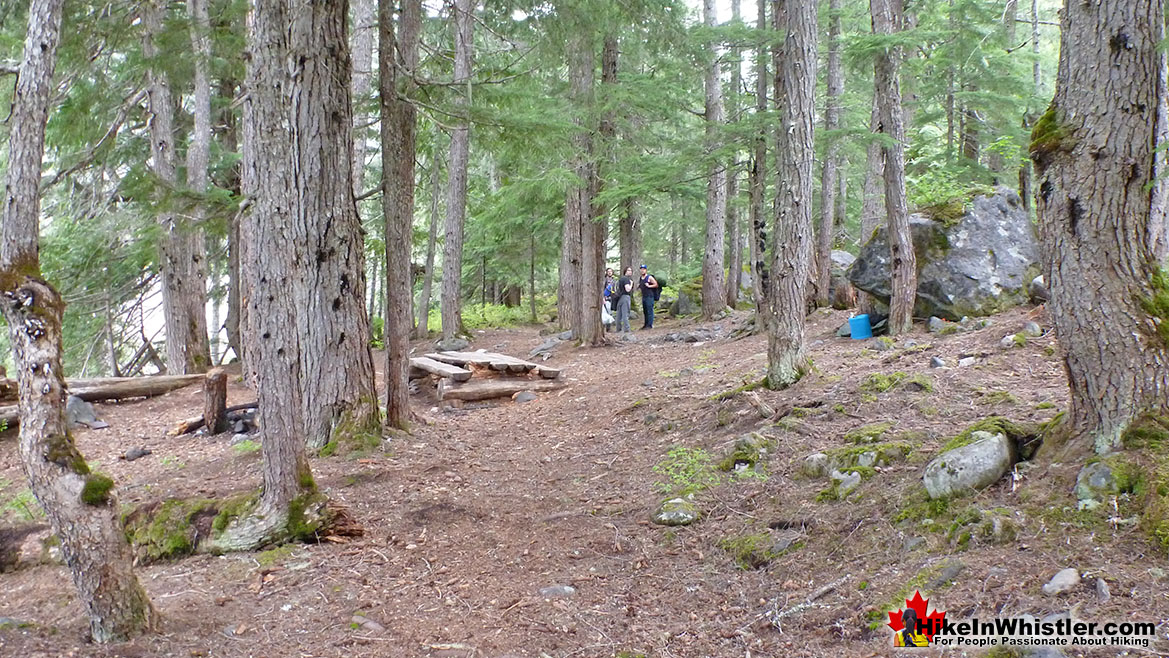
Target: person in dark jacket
x,y
648,285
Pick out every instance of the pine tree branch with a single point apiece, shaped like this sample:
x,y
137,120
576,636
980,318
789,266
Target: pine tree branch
x,y
130,102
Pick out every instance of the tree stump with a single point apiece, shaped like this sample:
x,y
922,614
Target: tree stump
x,y
215,401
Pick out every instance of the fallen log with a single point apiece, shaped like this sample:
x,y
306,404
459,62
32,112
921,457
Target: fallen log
x,y
441,369
494,388
132,387
494,361
98,389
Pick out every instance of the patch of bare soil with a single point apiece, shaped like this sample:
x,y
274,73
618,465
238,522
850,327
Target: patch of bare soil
x,y
476,522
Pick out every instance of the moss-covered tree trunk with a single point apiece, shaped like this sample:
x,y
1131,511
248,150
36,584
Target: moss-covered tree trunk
x,y
787,358
1100,161
339,397
274,276
80,505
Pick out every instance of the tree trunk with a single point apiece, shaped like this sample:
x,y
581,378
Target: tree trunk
x,y
757,216
365,31
456,198
277,128
398,131
532,274
734,226
828,182
886,21
575,277
629,233
80,505
1100,158
339,396
787,359
713,259
184,281
215,401
872,196
422,329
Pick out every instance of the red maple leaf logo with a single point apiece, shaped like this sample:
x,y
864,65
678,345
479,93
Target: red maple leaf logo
x,y
931,622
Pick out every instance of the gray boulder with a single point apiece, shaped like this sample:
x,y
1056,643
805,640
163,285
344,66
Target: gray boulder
x,y
79,413
845,482
1064,581
677,511
979,264
1095,483
453,345
970,467
684,305
1038,292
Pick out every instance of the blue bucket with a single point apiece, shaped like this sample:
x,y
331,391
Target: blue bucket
x,y
860,327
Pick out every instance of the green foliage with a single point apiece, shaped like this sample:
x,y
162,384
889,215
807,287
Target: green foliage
x,y
167,530
867,433
247,446
96,491
686,471
753,550
881,383
1157,303
22,506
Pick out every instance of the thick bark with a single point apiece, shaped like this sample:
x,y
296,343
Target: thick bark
x,y
886,21
365,31
629,232
274,277
757,183
787,359
398,130
229,138
338,393
829,173
1100,160
713,258
456,197
422,329
215,401
81,506
184,281
872,197
577,260
734,225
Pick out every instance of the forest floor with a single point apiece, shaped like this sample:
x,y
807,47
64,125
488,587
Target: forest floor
x,y
476,512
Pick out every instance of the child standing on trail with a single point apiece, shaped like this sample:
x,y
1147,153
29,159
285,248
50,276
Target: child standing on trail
x,y
649,286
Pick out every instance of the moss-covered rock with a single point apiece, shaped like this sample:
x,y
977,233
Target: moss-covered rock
x,y
96,490
170,529
750,451
867,434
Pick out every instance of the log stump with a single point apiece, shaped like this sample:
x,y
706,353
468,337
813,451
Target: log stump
x,y
215,401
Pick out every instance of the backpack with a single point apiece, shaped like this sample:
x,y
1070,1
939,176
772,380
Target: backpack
x,y
658,290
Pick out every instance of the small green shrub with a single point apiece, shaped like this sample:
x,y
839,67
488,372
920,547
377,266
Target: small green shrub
x,y
686,470
246,446
881,383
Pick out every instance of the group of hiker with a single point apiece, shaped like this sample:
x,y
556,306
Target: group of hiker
x,y
618,297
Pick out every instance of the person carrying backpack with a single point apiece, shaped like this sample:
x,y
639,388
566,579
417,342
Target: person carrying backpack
x,y
650,291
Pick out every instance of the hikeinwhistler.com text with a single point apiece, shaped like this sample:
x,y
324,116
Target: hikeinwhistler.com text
x,y
1028,631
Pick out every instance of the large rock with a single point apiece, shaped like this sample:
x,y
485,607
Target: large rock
x,y
979,264
677,511
971,467
685,304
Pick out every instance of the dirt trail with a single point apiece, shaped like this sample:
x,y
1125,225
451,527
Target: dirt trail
x,y
473,515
